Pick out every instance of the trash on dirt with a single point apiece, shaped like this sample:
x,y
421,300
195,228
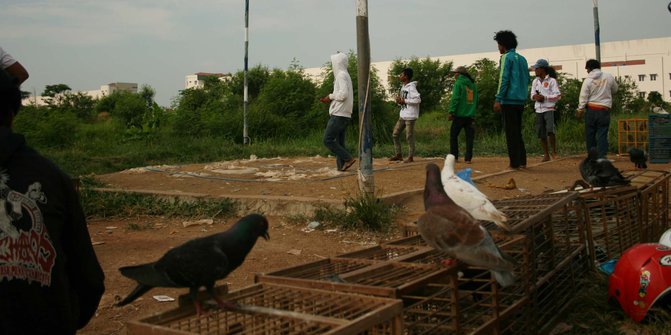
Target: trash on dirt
x,y
295,252
197,222
331,230
111,227
511,185
163,298
313,225
97,243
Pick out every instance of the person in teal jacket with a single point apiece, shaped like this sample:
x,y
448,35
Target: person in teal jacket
x,y
462,112
512,95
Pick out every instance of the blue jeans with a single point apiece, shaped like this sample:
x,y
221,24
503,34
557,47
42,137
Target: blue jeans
x,y
334,139
597,123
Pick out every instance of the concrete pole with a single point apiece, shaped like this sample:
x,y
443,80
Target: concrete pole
x,y
597,30
366,181
245,135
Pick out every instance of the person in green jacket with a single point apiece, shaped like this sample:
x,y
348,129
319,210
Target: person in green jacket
x,y
462,112
512,95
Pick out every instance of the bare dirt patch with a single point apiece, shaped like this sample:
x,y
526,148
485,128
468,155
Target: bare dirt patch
x,y
128,241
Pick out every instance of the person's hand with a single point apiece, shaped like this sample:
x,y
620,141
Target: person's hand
x,y
538,97
579,113
497,107
325,99
400,100
450,117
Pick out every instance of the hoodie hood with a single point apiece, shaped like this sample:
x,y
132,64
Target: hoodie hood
x,y
9,144
339,62
594,74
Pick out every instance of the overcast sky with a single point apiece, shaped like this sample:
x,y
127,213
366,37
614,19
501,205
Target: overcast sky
x,y
86,44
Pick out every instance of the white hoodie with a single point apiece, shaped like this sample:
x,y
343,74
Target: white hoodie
x,y
598,89
342,98
410,111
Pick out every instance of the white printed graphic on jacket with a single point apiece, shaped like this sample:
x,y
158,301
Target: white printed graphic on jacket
x,y
410,110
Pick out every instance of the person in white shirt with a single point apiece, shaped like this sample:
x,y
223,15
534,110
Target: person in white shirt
x,y
12,66
409,100
596,95
545,92
340,103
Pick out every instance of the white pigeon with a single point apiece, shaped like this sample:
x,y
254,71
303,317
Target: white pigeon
x,y
470,198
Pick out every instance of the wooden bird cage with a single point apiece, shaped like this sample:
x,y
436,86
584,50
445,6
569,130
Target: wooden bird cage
x,y
632,133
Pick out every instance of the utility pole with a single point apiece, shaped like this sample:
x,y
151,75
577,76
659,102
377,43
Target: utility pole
x,y
366,181
245,135
597,30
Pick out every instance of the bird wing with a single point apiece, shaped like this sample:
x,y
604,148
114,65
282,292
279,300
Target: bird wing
x,y
148,275
195,263
472,200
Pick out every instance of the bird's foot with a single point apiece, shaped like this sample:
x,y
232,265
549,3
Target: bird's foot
x,y
447,262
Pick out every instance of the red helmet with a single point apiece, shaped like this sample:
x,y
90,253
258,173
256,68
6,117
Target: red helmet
x,y
642,276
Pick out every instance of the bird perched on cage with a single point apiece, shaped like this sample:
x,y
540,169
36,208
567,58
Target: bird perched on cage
x,y
447,227
638,157
468,197
600,172
199,262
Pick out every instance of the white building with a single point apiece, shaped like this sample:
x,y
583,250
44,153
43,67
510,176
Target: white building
x,y
197,80
646,61
104,90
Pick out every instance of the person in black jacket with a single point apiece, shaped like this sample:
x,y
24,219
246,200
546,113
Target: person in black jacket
x,y
50,278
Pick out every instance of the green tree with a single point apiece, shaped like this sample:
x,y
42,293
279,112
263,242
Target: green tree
x,y
487,81
433,79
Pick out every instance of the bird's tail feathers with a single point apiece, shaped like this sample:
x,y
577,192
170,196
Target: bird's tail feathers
x,y
504,278
137,292
146,274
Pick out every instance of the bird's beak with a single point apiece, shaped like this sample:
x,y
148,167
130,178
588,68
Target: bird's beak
x,y
266,236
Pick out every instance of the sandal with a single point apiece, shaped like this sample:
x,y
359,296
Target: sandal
x,y
348,164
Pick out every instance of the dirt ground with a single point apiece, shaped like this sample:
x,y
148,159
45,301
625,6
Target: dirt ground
x,y
305,179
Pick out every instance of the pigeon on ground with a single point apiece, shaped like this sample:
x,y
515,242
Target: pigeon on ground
x,y
199,262
600,172
469,197
447,227
638,157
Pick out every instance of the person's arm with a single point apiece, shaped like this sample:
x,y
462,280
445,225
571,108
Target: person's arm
x,y
584,94
504,78
554,95
18,71
456,98
413,97
614,87
339,89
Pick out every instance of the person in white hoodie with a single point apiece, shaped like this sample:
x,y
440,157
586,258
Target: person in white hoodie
x,y
596,96
340,111
545,92
409,99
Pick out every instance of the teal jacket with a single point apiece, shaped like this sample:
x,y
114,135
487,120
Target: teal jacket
x,y
513,79
464,98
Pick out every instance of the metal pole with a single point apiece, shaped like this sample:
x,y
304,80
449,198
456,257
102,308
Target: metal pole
x,y
597,30
366,181
245,135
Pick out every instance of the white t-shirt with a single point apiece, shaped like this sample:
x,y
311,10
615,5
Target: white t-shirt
x,y
6,60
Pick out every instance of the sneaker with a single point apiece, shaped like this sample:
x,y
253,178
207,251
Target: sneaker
x,y
396,158
409,160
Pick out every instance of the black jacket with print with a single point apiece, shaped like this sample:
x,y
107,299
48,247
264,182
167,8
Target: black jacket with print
x,y
50,279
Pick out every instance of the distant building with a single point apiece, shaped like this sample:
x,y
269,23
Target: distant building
x,y
647,62
104,90
197,80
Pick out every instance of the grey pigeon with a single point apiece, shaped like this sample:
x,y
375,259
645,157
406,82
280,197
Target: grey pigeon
x,y
199,262
600,172
638,157
447,227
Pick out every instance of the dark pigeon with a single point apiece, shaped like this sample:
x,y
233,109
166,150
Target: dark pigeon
x,y
447,227
199,262
638,157
600,172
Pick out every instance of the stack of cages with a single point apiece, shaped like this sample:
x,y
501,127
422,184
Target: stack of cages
x,y
660,138
632,133
653,190
548,244
276,309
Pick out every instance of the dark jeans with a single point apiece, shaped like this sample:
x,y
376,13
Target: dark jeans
x,y
512,124
334,139
597,123
459,123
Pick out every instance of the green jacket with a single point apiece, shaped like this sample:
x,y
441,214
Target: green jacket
x,y
513,79
464,98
